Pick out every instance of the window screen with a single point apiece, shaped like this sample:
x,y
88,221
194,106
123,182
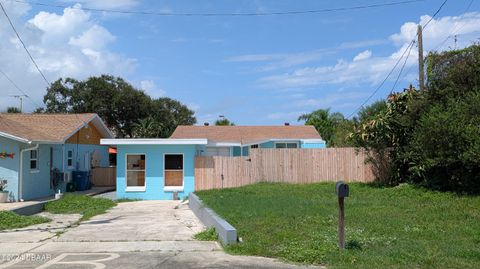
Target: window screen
x,y
70,158
286,145
292,145
34,159
173,162
136,170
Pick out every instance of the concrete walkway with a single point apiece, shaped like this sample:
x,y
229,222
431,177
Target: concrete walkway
x,y
17,206
142,234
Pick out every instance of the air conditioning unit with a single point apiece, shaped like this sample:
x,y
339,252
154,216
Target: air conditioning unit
x,y
67,176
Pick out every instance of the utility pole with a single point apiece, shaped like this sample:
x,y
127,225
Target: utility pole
x,y
21,100
421,72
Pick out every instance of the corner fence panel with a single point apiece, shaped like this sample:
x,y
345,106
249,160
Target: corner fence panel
x,y
282,165
104,176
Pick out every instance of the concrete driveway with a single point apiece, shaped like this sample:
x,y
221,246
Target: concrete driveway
x,y
146,234
139,221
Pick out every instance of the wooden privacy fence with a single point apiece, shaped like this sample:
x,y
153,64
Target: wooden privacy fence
x,y
104,176
282,165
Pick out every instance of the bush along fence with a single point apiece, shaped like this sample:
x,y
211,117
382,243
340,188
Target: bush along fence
x,y
281,165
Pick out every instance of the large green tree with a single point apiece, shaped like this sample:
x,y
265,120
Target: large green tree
x,y
325,122
169,113
117,102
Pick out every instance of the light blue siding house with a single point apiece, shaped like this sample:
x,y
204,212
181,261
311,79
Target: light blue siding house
x,y
155,169
38,152
238,140
163,169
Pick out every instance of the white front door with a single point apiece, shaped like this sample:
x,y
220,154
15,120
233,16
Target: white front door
x,y
217,151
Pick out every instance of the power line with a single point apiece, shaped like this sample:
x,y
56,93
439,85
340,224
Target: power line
x,y
29,98
23,44
19,89
156,13
455,31
383,82
434,14
401,69
398,61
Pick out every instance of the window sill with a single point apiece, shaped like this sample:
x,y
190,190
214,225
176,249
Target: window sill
x,y
34,171
135,189
173,188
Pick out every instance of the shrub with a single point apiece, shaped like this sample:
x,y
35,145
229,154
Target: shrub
x,y
447,144
430,137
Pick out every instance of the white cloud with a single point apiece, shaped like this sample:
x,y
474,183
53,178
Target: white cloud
x,y
343,72
96,37
71,43
363,55
281,60
151,88
439,29
285,60
367,69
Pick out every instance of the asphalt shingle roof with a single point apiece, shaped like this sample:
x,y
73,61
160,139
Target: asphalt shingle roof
x,y
246,134
43,127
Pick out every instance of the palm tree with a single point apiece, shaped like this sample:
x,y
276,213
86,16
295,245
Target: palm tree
x,y
324,121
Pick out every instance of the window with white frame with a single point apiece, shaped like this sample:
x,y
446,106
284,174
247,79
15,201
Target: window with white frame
x,y
135,165
34,159
286,145
70,158
173,170
254,146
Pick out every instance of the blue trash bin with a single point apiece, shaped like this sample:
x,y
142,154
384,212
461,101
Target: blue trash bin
x,y
81,180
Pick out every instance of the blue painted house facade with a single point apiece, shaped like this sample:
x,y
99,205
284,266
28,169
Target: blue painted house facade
x,y
155,169
161,169
238,140
38,152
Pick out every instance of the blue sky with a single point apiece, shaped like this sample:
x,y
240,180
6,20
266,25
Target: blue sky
x,y
254,70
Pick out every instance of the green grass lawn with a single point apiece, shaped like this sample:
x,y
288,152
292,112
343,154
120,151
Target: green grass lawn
x,y
10,220
79,204
208,235
400,227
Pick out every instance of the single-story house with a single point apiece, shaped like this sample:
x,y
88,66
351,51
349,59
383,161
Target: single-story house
x,y
38,152
237,140
155,169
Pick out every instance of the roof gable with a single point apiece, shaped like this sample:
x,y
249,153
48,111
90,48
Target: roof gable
x,y
246,134
54,128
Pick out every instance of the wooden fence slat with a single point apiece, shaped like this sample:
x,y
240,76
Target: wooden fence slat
x,y
104,176
282,165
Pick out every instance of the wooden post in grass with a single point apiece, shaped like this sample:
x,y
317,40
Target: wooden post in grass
x,y
341,223
342,191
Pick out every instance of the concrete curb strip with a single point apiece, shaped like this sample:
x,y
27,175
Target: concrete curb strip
x,y
30,209
226,232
